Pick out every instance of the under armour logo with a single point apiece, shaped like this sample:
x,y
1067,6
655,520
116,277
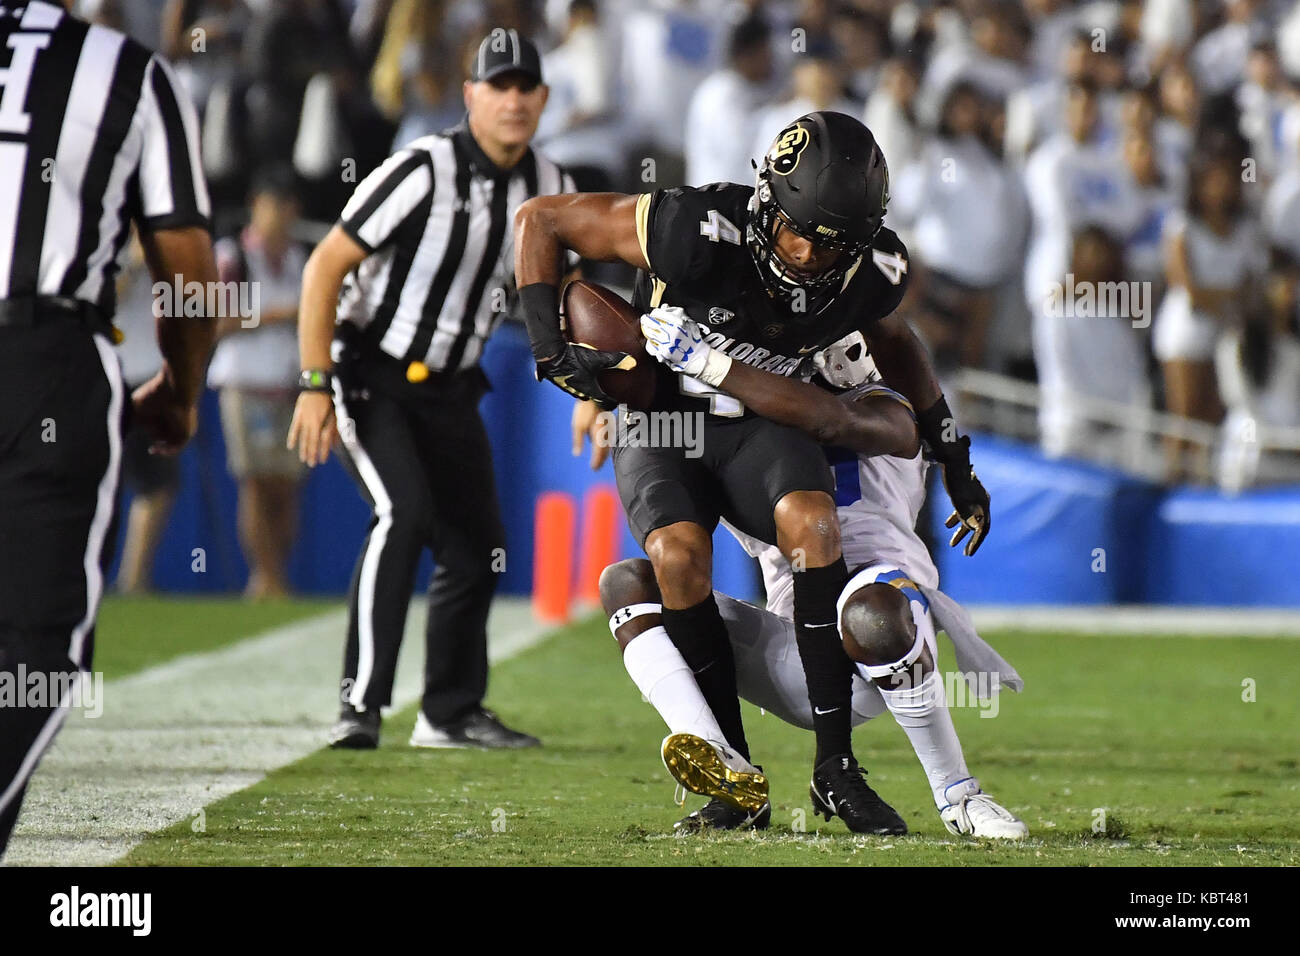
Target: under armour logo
x,y
622,616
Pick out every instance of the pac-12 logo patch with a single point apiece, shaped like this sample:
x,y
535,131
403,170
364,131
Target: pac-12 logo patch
x,y
720,316
784,155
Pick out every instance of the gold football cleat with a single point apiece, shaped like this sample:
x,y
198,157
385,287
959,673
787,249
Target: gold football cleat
x,y
714,770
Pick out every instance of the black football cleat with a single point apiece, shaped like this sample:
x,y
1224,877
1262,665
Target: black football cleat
x,y
839,789
355,729
717,815
480,728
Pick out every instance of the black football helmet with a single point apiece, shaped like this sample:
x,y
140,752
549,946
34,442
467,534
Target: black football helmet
x,y
825,179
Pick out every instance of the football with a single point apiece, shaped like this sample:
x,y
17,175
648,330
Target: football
x,y
603,319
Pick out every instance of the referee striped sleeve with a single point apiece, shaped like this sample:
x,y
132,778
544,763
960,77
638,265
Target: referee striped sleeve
x,y
173,193
386,197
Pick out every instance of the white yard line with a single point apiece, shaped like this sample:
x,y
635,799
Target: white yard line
x,y
177,737
1150,620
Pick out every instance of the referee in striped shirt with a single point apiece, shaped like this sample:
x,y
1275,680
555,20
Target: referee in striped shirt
x,y
416,272
94,134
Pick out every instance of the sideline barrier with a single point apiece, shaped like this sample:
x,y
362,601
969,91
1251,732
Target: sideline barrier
x,y
1068,532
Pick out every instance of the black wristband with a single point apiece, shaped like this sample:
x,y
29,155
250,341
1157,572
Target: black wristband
x,y
939,429
315,380
540,304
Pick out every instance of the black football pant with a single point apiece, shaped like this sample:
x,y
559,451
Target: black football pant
x,y
420,454
61,404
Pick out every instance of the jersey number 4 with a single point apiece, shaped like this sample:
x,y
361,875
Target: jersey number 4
x,y
891,264
719,228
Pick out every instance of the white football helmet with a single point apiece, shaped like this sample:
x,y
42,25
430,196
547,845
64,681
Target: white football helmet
x,y
847,363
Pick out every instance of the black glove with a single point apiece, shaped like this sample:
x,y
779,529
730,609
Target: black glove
x,y
969,497
572,367
575,369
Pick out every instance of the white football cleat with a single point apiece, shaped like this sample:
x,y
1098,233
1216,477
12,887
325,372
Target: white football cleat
x,y
712,769
977,814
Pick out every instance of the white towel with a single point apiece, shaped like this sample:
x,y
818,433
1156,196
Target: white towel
x,y
975,656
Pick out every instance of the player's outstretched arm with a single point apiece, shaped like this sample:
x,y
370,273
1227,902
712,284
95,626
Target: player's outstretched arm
x,y
598,226
868,427
905,366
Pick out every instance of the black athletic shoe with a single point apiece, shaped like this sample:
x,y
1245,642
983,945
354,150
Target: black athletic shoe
x,y
479,728
716,815
355,730
839,788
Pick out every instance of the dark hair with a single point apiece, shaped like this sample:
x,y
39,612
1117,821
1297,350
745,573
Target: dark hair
x,y
1117,45
1200,168
1113,248
960,88
750,34
278,180
1281,260
1218,127
1255,348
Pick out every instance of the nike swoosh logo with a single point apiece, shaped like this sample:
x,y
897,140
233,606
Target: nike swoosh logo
x,y
819,712
831,624
815,348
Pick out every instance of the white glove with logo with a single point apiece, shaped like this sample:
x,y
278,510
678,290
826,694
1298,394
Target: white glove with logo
x,y
676,340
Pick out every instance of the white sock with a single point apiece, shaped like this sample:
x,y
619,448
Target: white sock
x,y
922,713
656,667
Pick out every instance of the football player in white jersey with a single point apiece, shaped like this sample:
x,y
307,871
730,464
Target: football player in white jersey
x,y
888,610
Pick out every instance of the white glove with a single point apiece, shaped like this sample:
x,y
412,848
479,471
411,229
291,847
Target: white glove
x,y
675,339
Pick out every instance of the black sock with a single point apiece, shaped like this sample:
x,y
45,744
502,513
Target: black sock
x,y
700,635
826,667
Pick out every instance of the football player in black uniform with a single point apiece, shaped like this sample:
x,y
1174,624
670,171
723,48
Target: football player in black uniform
x,y
772,273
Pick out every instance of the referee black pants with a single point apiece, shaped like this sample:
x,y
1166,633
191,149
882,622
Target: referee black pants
x,y
61,402
420,455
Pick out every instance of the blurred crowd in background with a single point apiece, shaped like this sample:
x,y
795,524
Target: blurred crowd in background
x,y
1101,198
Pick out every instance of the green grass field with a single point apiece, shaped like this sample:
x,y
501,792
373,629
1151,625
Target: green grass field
x,y
1152,731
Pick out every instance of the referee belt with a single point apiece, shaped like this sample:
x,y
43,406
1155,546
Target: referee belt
x,y
356,351
31,311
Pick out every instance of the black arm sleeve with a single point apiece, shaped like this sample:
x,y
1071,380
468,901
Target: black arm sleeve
x,y
539,304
